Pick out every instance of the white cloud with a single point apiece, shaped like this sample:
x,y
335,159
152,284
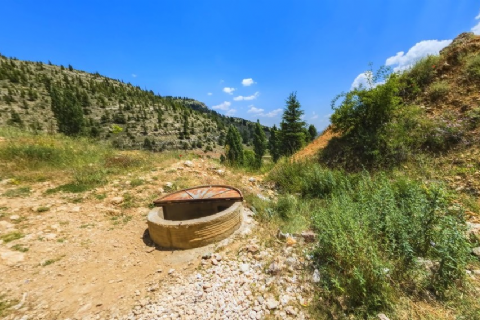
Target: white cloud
x,y
315,116
209,94
252,97
273,113
403,60
255,110
230,112
134,75
223,106
229,90
363,79
247,82
476,28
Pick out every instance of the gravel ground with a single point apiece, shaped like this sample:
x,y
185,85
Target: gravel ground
x,y
251,283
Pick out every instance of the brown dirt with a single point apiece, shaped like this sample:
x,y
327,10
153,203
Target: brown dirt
x,y
88,255
311,150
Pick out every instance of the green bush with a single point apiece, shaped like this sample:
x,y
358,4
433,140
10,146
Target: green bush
x,y
423,71
372,237
438,90
472,67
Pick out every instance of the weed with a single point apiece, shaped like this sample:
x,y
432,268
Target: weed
x,y
69,187
8,237
20,248
50,261
100,196
87,225
128,200
438,90
136,182
472,67
42,209
19,192
5,304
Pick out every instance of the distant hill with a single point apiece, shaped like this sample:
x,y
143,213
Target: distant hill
x,y
45,97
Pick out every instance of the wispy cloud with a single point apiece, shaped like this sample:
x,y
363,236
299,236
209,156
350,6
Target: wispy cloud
x,y
229,90
255,110
314,116
247,82
209,94
223,106
476,28
252,97
134,75
273,113
230,112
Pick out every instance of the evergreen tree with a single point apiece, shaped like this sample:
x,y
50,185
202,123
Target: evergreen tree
x,y
259,144
313,132
67,111
233,146
292,134
274,144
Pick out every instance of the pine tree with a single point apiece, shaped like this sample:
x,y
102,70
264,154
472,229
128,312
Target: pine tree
x,y
259,144
67,111
313,132
233,146
274,144
292,136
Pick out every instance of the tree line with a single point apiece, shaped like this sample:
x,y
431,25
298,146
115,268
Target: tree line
x,y
292,135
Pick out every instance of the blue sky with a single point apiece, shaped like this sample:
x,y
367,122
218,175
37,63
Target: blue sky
x,y
242,58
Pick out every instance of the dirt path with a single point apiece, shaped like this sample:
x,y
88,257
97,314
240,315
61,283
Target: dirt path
x,y
79,255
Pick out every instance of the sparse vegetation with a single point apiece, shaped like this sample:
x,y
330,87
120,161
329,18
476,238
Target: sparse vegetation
x,y
12,236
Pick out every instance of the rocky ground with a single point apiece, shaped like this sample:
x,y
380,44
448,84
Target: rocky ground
x,y
88,255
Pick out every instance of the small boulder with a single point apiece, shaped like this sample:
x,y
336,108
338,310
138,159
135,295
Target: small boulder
x,y
476,251
116,200
382,316
188,163
272,304
308,236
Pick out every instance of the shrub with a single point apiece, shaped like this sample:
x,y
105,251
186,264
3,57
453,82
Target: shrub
x,y
472,67
438,90
371,239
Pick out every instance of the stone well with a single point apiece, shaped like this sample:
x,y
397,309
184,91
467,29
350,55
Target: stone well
x,y
195,217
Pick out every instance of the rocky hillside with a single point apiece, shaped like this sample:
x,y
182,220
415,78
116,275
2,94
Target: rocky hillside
x,y
50,98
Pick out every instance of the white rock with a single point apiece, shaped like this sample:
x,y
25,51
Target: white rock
x,y
316,276
476,251
168,185
14,217
252,179
4,225
116,200
272,303
12,258
244,267
188,163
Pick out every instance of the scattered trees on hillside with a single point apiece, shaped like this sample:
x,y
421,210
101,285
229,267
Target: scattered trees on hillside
x,y
274,144
259,144
67,110
233,146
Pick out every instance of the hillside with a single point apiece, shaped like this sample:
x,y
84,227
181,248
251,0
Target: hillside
x,y
49,98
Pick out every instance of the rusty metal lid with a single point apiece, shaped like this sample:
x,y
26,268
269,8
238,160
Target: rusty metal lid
x,y
201,193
